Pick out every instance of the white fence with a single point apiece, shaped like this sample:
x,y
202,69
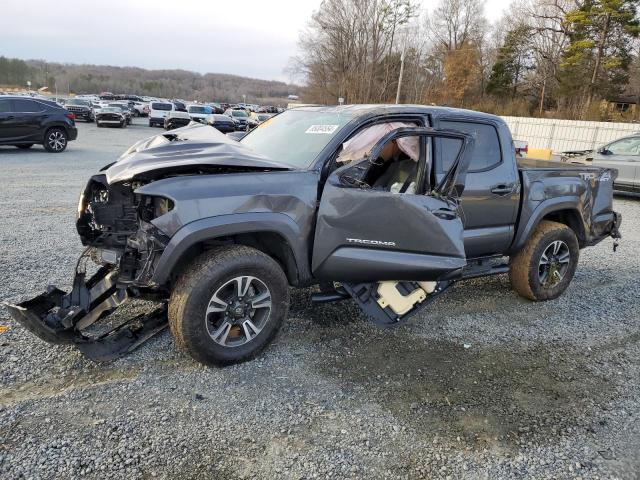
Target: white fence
x,y
564,135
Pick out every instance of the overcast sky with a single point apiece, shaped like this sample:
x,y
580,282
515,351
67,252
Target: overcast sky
x,y
254,38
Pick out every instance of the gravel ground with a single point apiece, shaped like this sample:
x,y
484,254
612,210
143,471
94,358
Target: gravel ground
x,y
546,390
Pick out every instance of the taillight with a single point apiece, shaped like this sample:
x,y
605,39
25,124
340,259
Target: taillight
x,y
71,116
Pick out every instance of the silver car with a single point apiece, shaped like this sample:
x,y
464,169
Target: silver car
x,y
624,155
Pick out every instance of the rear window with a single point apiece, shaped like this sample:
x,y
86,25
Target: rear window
x,y
162,106
199,110
486,153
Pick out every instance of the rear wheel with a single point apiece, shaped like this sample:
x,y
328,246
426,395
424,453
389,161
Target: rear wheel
x,y
544,268
55,140
228,305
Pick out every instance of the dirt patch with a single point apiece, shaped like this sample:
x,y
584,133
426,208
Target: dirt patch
x,y
49,387
486,397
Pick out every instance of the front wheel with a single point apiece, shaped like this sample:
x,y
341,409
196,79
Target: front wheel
x,y
228,305
544,268
55,140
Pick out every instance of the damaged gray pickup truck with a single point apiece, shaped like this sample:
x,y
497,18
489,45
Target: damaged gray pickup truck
x,y
387,205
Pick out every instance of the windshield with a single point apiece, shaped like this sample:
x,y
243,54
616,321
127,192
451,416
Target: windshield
x,y
262,118
296,137
239,113
109,110
162,106
198,110
73,101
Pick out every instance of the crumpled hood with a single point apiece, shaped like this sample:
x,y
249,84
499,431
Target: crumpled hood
x,y
194,146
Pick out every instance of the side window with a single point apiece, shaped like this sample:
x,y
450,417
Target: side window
x,y
27,106
5,106
627,146
486,154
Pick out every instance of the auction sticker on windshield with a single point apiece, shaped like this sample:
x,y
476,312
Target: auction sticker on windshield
x,y
322,129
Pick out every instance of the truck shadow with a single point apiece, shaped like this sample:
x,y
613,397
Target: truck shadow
x,y
484,397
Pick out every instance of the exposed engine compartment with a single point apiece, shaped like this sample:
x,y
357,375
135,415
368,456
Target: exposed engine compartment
x,y
115,222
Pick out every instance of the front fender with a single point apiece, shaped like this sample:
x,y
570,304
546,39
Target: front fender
x,y
226,225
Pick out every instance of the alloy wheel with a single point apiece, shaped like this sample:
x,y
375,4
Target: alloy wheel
x,y
57,140
238,311
554,263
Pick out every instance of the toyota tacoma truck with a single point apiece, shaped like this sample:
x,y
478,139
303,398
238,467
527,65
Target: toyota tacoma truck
x,y
385,205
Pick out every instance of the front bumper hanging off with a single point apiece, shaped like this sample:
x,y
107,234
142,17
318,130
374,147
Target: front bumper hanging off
x,y
62,318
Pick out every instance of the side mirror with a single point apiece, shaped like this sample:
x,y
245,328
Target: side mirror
x,y
603,151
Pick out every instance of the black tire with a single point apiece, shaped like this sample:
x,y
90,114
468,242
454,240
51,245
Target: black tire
x,y
150,123
98,124
123,124
538,278
55,140
212,273
25,146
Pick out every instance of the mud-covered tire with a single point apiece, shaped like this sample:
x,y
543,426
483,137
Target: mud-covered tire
x,y
525,267
193,292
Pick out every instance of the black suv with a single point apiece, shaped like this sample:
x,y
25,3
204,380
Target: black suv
x,y
80,108
27,121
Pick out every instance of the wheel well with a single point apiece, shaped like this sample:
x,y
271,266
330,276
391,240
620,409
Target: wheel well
x,y
572,219
270,243
61,127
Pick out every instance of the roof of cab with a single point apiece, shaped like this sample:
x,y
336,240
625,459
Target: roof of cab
x,y
377,109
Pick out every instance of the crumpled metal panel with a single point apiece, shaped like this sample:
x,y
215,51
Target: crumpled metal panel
x,y
191,146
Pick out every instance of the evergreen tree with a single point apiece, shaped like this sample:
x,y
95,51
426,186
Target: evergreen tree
x,y
513,60
596,61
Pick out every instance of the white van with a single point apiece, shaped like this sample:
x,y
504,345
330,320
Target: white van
x,y
157,112
199,113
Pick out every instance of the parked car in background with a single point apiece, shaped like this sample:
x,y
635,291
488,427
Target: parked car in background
x,y
180,105
199,113
522,148
111,117
80,108
176,119
157,112
138,108
217,108
622,154
239,116
223,123
25,122
126,111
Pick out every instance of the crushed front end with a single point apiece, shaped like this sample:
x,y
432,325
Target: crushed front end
x,y
114,225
